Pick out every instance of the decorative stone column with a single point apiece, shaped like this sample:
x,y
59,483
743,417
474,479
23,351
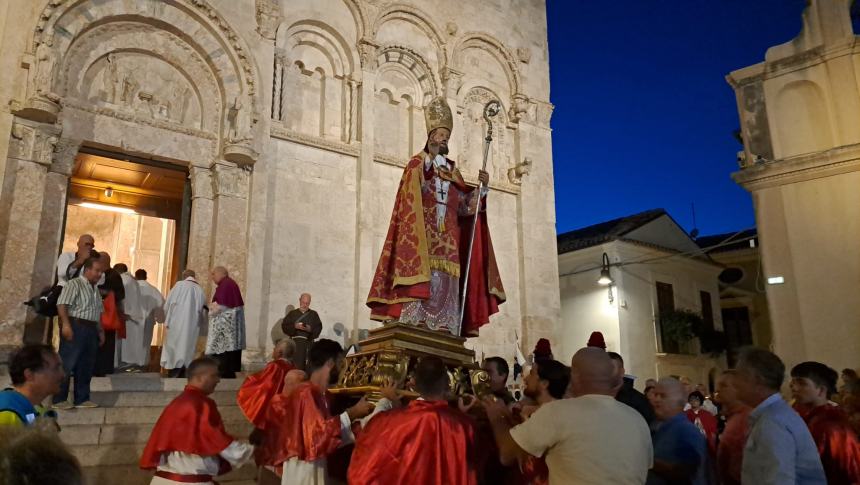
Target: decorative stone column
x,y
53,210
230,248
31,149
200,229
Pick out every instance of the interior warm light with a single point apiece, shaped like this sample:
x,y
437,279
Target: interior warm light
x,y
109,208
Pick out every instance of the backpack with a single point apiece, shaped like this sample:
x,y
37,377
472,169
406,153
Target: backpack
x,y
45,303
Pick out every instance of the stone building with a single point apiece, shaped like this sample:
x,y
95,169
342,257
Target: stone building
x,y
800,122
273,135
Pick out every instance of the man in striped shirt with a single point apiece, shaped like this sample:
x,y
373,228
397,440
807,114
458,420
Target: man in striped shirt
x,y
80,308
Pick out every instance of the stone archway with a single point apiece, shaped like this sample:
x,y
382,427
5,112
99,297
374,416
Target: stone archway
x,y
169,80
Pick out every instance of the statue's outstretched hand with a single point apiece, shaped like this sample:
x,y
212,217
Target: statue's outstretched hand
x,y
484,177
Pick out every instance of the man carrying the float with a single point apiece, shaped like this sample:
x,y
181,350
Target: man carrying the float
x,y
422,269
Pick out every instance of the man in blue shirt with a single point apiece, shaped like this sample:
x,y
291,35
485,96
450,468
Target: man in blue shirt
x,y
36,372
680,450
779,449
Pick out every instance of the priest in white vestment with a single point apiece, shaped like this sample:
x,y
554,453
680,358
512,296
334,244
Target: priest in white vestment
x,y
183,314
152,305
130,352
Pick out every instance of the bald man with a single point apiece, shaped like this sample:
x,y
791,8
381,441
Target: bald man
x,y
69,264
304,326
680,450
590,438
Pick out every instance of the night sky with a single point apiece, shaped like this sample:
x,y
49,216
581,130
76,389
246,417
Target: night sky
x,y
643,115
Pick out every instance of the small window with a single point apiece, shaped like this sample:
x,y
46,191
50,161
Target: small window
x,y
730,276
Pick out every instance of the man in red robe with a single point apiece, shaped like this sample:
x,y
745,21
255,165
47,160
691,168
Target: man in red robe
x,y
301,432
426,442
188,443
258,389
420,274
812,384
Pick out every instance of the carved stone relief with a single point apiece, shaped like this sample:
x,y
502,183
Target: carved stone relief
x,y
268,18
33,142
144,85
231,181
500,157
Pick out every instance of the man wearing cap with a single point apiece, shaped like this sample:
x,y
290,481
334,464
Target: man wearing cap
x,y
418,277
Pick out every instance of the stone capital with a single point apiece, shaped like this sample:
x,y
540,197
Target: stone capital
x,y
201,183
520,105
268,18
231,180
368,51
33,142
65,152
452,80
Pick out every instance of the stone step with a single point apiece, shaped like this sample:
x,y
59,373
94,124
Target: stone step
x,y
116,399
144,381
132,415
132,475
123,434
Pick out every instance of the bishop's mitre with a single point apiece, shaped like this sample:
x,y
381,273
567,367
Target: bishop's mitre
x,y
437,114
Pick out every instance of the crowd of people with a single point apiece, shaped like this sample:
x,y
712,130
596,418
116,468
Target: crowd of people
x,y
583,423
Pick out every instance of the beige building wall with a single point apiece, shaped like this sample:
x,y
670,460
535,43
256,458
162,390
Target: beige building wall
x,y
800,119
294,120
628,321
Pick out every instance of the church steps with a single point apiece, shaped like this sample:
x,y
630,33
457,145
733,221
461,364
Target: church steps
x,y
107,434
108,440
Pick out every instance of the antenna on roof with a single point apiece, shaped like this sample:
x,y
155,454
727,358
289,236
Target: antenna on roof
x,y
695,232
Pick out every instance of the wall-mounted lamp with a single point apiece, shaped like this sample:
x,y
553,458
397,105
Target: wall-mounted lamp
x,y
109,192
605,278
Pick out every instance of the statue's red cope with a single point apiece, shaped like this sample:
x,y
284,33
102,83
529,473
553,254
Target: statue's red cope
x,y
403,272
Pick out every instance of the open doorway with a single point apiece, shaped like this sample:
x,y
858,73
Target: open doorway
x,y
136,209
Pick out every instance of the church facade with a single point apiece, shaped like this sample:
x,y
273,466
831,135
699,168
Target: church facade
x,y
293,120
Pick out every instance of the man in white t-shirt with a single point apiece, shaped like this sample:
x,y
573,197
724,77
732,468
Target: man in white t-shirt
x,y
588,439
69,264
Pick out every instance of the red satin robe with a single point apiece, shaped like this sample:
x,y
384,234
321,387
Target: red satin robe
x,y
837,442
426,442
190,424
299,426
258,390
707,423
409,253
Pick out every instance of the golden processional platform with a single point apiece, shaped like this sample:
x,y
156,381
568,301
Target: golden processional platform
x,y
390,353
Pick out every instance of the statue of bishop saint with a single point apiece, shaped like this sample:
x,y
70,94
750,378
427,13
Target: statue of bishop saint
x,y
419,277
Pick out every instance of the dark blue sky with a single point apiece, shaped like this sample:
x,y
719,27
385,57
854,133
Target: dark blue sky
x,y
643,115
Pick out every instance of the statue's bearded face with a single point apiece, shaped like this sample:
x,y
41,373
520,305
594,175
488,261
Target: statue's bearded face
x,y
437,142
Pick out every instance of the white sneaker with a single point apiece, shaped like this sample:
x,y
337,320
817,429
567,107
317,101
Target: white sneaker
x,y
87,405
62,406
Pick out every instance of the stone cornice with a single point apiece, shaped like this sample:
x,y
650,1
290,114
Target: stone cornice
x,y
780,67
315,141
800,168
